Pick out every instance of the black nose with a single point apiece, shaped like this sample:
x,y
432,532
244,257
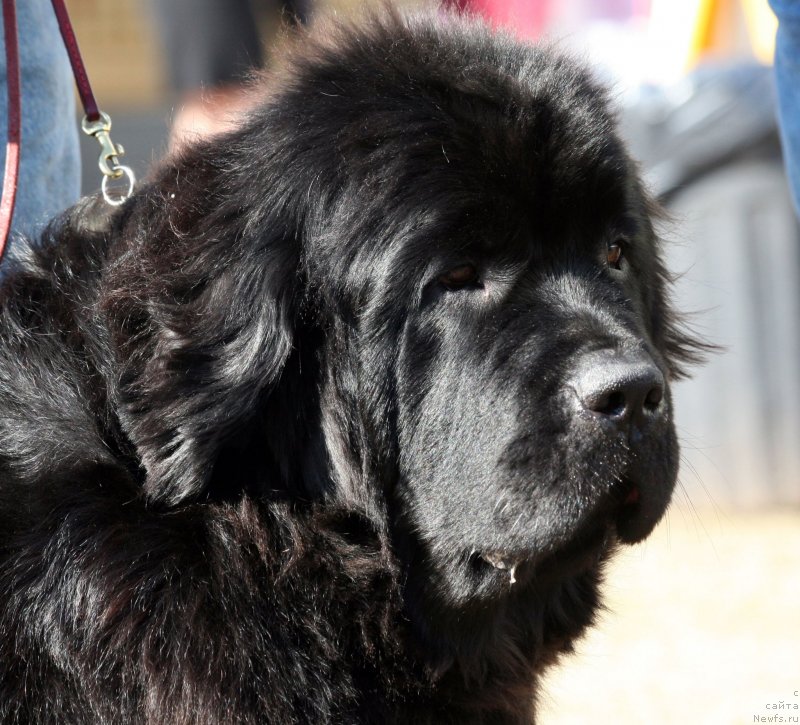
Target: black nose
x,y
620,388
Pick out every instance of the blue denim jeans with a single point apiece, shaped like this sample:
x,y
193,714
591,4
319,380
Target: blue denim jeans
x,y
49,179
787,75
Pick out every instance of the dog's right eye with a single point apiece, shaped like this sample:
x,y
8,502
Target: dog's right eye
x,y
464,275
615,254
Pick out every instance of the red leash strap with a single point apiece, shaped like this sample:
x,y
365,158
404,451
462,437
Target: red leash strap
x,y
88,101
14,117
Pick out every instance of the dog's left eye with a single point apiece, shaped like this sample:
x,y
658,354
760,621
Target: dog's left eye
x,y
460,277
615,254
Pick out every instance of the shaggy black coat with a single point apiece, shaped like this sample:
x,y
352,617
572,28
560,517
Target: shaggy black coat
x,y
295,435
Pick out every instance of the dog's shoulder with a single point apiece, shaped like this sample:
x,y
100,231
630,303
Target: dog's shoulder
x,y
52,387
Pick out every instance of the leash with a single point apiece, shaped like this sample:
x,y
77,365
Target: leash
x,y
95,123
14,121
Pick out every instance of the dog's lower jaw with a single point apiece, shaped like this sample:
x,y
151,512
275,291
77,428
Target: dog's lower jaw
x,y
483,666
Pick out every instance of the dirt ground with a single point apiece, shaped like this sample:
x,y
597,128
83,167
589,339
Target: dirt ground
x,y
703,627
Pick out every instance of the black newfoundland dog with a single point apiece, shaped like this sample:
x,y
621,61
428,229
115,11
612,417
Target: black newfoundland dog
x,y
338,418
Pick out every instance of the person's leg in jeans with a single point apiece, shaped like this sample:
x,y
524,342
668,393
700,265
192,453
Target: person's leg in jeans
x,y
787,74
49,179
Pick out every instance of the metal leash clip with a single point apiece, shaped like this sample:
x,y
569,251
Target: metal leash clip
x,y
109,158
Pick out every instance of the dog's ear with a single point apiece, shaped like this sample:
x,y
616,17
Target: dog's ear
x,y
199,296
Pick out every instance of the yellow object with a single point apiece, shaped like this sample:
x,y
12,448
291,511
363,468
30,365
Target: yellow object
x,y
687,32
761,27
708,14
729,27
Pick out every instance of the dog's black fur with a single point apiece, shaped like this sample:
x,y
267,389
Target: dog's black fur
x,y
270,433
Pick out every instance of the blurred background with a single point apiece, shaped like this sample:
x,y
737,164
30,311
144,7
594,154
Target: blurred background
x,y
703,620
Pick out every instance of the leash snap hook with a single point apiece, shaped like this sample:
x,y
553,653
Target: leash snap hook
x,y
110,152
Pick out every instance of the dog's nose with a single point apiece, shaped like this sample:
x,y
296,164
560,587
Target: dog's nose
x,y
622,389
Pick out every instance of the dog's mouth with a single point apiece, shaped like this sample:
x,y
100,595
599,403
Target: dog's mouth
x,y
503,562
620,520
513,569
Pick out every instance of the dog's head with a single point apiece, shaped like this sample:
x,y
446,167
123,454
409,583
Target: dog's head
x,y
424,281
